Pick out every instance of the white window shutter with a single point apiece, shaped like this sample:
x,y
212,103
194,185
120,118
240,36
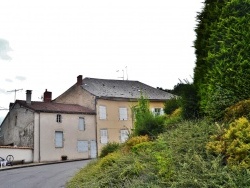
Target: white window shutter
x,y
162,111
124,135
104,136
102,112
82,146
123,112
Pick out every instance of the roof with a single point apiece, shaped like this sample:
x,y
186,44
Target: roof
x,y
127,89
52,107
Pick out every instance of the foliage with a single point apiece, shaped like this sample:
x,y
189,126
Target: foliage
x,y
222,69
171,105
233,144
240,109
109,148
177,159
147,123
189,102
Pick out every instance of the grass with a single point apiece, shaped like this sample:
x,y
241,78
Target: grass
x,y
177,158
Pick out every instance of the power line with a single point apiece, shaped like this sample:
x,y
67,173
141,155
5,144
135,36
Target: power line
x,y
15,90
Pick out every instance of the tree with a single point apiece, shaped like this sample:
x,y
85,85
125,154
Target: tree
x,y
222,71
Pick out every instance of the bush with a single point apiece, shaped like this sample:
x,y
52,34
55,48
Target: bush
x,y
240,109
147,123
233,144
109,148
171,105
134,141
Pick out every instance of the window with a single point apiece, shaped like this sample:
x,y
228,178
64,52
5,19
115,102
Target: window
x,y
102,111
82,146
123,113
59,118
124,135
58,139
157,111
81,124
104,136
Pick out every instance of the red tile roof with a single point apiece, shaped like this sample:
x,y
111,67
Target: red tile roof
x,y
52,107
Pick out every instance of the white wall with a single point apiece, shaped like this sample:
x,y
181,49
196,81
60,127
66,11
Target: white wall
x,y
18,153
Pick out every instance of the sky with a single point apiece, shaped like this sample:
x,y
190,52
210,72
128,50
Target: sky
x,y
46,44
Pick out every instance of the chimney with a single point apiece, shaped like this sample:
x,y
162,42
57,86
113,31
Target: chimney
x,y
79,80
28,96
47,95
11,105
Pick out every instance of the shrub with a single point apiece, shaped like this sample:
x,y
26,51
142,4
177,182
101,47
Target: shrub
x,y
171,105
145,122
134,141
234,144
240,109
109,148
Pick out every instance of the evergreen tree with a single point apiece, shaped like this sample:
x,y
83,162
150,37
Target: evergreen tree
x,y
222,71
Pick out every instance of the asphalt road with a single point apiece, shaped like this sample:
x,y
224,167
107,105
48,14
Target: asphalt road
x,y
44,176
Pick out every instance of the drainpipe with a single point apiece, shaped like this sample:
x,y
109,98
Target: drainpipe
x,y
96,129
39,139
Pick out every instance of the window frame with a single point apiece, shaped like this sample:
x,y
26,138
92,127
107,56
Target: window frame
x,y
58,118
83,126
122,132
102,112
123,116
85,144
61,141
102,137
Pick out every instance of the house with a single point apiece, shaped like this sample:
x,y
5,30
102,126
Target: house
x,y
52,129
112,101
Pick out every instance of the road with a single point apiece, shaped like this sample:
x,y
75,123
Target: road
x,y
44,176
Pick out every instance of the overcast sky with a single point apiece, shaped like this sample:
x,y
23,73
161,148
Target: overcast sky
x,y
46,44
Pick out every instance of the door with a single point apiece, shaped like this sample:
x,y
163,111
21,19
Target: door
x,y
93,149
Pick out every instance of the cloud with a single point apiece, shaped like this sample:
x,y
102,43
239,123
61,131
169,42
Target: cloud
x,y
4,49
8,80
21,78
2,91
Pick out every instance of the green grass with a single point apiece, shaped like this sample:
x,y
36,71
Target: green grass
x,y
178,158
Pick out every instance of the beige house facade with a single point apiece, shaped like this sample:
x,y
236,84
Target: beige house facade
x,y
53,130
112,101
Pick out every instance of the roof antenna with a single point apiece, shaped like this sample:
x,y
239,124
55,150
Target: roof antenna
x,y
126,71
15,90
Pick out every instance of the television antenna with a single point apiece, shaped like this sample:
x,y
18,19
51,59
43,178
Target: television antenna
x,y
15,90
123,77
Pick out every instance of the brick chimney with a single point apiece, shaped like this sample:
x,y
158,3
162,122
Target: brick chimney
x,y
28,96
47,95
79,80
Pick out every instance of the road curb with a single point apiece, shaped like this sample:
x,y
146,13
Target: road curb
x,y
39,164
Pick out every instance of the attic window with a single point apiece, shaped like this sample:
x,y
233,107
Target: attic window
x,y
59,118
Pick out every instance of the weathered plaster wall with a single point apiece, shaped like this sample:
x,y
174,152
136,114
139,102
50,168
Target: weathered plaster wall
x,y
76,95
18,127
71,134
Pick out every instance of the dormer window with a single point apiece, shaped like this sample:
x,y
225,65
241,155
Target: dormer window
x,y
59,118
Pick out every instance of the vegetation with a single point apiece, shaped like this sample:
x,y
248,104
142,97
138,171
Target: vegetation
x,y
109,148
177,158
222,69
146,123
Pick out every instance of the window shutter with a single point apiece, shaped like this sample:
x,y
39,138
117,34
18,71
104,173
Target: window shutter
x,y
81,125
102,112
123,112
82,146
124,135
104,136
59,139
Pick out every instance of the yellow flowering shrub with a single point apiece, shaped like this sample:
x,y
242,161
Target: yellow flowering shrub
x,y
234,144
240,109
134,141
